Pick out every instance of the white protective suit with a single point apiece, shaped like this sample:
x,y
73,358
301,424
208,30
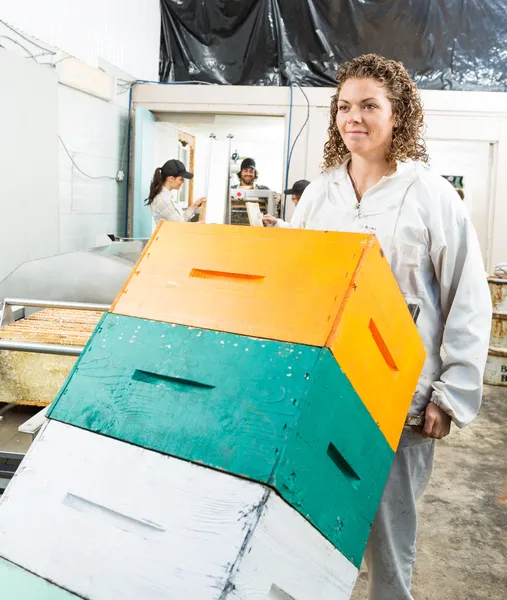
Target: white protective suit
x,y
432,247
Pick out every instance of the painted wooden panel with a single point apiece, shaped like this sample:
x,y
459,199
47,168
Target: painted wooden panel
x,y
278,413
18,584
295,564
336,464
116,521
377,344
278,284
183,391
320,288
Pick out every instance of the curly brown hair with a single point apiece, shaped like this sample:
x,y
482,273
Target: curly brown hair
x,y
407,141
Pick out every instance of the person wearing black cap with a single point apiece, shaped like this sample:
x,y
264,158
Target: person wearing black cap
x,y
167,178
248,176
296,191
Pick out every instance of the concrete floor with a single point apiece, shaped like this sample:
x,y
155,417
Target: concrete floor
x,y
10,439
462,542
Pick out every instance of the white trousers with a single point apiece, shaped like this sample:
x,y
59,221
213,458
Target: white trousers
x,y
390,552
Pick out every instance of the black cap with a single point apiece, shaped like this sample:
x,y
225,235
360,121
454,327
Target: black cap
x,y
175,168
298,188
248,163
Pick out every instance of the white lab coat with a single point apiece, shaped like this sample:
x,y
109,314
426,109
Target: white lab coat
x,y
432,247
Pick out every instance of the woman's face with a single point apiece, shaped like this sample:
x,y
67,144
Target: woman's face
x,y
175,182
365,117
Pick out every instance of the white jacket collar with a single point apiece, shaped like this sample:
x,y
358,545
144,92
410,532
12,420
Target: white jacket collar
x,y
405,172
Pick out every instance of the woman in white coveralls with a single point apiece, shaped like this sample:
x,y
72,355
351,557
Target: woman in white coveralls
x,y
375,180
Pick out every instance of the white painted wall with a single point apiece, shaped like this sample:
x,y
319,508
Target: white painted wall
x,y
95,133
122,38
166,143
125,33
474,160
453,117
28,162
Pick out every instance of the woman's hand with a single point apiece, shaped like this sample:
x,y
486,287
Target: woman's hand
x,y
437,423
269,220
198,203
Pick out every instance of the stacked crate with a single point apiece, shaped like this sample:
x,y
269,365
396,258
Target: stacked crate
x,y
229,428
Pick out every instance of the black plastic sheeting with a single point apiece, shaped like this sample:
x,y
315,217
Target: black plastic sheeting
x,y
445,44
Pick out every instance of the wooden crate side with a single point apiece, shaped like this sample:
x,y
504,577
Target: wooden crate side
x,y
135,270
18,584
116,521
277,284
336,462
225,400
375,324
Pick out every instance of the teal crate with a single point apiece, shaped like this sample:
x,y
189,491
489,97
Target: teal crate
x,y
278,413
18,584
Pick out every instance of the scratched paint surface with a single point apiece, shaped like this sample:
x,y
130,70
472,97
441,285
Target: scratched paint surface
x,y
377,345
218,398
113,521
346,461
278,413
177,531
18,584
225,278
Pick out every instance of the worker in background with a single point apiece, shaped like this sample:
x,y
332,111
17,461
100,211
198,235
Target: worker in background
x,y
248,176
296,191
167,179
375,180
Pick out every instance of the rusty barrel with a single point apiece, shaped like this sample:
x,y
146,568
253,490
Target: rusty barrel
x,y
496,365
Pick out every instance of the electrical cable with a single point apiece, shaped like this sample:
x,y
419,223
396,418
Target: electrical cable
x,y
34,56
42,54
295,140
30,55
129,85
26,38
61,60
80,170
306,120
288,152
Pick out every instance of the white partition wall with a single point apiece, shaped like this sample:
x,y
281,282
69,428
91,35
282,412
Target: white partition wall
x,y
474,161
28,162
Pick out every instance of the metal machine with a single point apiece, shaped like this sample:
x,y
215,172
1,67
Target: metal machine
x,y
239,197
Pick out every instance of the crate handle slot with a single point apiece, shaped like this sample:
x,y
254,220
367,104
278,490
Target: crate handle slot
x,y
343,465
155,378
225,276
382,346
